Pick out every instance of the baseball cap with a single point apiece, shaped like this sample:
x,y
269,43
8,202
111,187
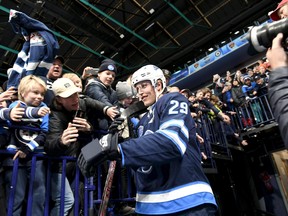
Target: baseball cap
x,y
60,58
222,80
274,14
64,87
246,77
257,77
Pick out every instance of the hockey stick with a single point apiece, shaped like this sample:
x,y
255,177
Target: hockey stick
x,y
130,111
107,189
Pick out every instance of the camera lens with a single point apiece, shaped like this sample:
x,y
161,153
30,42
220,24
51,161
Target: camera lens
x,y
260,37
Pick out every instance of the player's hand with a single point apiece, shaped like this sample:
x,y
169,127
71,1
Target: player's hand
x,y
116,125
98,151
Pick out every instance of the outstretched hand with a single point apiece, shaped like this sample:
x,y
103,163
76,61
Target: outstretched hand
x,y
112,112
43,111
9,94
17,112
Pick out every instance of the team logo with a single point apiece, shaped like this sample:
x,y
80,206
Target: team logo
x,y
25,136
67,85
217,53
111,67
196,65
232,45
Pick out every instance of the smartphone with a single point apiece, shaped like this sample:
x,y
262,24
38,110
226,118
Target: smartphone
x,y
93,71
80,114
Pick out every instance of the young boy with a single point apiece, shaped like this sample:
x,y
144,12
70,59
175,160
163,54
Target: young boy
x,y
27,136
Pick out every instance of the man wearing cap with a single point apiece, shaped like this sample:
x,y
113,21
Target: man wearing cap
x,y
54,73
55,70
249,87
280,12
99,88
68,133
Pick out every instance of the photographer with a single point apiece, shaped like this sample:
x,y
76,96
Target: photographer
x,y
280,12
69,131
278,84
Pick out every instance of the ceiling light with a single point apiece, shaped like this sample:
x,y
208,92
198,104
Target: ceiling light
x,y
102,52
223,42
151,11
210,49
237,32
114,55
149,26
122,36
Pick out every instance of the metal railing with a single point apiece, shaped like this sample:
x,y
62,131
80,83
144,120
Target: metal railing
x,y
255,113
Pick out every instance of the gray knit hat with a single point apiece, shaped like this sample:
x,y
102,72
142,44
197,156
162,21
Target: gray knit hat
x,y
124,90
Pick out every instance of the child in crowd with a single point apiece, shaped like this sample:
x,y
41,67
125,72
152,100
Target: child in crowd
x,y
100,88
75,79
27,135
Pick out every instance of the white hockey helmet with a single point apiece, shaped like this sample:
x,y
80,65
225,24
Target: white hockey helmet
x,y
149,72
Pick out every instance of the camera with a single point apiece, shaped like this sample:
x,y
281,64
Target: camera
x,y
260,37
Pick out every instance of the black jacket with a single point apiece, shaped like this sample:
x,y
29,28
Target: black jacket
x,y
278,97
238,96
58,122
97,90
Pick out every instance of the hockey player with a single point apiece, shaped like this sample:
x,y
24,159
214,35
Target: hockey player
x,y
165,156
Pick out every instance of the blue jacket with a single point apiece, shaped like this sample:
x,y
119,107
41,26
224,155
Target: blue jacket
x,y
167,160
38,51
31,131
248,90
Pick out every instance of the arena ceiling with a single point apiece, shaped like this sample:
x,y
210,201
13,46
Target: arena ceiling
x,y
167,33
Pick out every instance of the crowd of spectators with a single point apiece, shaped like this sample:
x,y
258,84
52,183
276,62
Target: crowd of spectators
x,y
83,108
53,114
236,99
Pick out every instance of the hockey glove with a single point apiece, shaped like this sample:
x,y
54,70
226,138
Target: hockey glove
x,y
98,151
116,125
